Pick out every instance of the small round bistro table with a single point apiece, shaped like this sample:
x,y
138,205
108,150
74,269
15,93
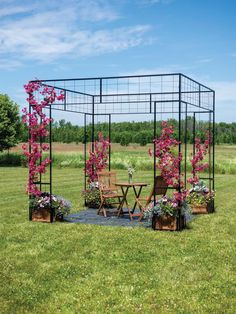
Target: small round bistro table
x,y
137,188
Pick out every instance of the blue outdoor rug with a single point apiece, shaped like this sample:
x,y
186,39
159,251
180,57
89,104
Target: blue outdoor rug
x,y
89,216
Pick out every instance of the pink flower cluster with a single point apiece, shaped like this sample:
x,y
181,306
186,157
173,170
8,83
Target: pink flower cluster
x,y
201,150
167,161
37,123
98,159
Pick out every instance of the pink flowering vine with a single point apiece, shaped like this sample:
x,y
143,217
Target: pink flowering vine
x,y
37,123
166,159
201,150
98,159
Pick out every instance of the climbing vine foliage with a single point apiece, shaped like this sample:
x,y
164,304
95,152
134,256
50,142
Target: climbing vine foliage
x,y
37,123
98,158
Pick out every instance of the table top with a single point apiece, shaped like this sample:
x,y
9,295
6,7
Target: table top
x,y
127,184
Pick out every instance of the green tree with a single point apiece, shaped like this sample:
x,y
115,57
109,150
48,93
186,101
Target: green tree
x,y
125,138
10,124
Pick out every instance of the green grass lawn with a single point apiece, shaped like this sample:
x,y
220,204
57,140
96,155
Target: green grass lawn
x,y
73,268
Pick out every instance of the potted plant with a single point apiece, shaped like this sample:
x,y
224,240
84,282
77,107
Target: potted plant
x,y
41,205
92,195
168,214
62,207
201,199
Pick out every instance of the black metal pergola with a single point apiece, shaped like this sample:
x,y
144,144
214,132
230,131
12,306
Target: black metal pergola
x,y
172,95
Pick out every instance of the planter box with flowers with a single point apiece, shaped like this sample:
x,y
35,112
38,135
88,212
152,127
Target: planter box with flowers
x,y
201,199
92,198
40,207
167,215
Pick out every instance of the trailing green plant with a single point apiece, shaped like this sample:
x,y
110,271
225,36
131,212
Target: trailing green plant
x,y
60,205
92,196
167,206
200,195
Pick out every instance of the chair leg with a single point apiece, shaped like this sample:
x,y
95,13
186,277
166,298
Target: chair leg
x,y
141,208
120,207
141,216
104,212
101,207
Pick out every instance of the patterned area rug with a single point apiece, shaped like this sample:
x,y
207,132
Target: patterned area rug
x,y
89,216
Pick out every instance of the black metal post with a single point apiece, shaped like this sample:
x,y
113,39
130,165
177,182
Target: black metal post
x,y
52,214
179,150
40,160
29,136
185,145
93,130
150,100
65,101
213,142
93,125
100,80
154,150
110,142
85,150
194,133
209,153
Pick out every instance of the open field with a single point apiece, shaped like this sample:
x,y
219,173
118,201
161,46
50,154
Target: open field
x,y
72,268
71,155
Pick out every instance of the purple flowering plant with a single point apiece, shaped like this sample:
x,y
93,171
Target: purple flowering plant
x,y
166,206
60,205
200,194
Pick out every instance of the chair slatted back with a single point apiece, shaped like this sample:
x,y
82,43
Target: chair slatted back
x,y
160,188
107,180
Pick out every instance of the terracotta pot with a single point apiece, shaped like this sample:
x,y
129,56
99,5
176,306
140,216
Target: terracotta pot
x,y
168,223
42,215
203,209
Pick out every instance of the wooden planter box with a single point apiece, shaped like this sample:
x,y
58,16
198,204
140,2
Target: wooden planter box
x,y
42,215
203,209
168,223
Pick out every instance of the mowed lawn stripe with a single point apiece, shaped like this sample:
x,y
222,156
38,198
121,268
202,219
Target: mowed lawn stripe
x,y
74,268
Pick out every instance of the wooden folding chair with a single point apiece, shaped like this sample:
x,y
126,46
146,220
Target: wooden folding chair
x,y
108,191
159,188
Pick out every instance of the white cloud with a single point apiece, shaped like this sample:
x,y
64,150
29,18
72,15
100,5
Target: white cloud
x,y
149,2
158,70
46,36
206,60
152,2
98,10
9,64
12,10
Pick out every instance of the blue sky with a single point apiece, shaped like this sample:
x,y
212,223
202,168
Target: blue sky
x,y
69,38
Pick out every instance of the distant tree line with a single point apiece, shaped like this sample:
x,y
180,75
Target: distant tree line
x,y
137,132
12,131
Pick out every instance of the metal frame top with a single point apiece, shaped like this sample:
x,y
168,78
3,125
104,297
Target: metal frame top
x,y
132,94
122,77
